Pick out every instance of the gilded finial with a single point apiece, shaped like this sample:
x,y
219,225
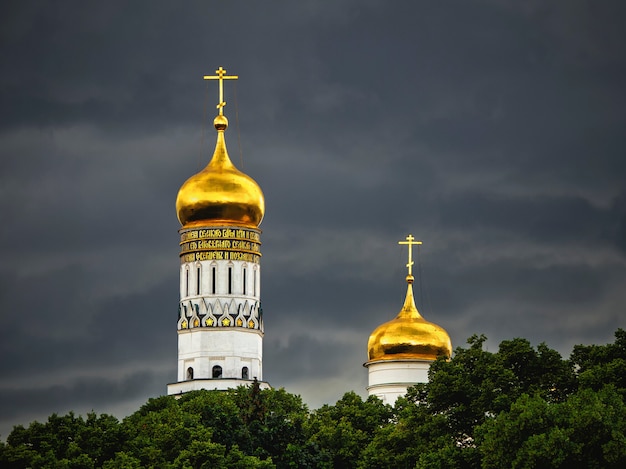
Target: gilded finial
x,y
221,76
410,241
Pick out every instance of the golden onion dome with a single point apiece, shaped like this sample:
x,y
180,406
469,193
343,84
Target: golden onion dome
x,y
220,194
408,336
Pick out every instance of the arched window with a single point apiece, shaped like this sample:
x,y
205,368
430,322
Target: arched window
x,y
254,272
198,272
217,371
213,279
230,279
244,280
244,372
190,373
186,281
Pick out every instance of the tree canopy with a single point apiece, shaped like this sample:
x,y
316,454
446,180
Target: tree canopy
x,y
518,407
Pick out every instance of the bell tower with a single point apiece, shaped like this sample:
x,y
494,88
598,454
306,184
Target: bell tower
x,y
220,321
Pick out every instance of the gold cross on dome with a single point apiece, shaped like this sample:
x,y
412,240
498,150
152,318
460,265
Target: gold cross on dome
x,y
221,76
410,241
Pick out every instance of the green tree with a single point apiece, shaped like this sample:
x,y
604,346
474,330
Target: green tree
x,y
209,455
417,438
598,365
587,430
542,371
436,421
159,431
476,384
219,412
399,443
64,441
275,423
340,433
99,438
122,460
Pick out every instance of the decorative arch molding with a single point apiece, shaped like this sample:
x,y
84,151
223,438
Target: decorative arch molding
x,y
236,312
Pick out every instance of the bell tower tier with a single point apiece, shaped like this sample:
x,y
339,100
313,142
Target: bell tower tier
x,y
220,320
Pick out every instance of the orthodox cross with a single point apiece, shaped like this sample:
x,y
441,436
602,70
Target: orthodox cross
x,y
410,241
221,76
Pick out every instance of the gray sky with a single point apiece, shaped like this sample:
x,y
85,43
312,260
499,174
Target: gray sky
x,y
491,130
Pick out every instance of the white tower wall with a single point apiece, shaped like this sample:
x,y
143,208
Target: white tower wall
x,y
220,323
390,379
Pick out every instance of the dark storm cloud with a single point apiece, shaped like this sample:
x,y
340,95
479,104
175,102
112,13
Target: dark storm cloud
x,y
79,63
490,129
73,329
542,219
308,357
112,63
84,392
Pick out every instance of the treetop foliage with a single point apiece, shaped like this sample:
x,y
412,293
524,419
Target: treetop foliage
x,y
518,407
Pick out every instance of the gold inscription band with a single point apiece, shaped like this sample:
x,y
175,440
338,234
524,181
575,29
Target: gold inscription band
x,y
225,245
220,233
205,244
209,244
220,256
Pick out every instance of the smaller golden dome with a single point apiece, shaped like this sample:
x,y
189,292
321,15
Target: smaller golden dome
x,y
408,336
220,194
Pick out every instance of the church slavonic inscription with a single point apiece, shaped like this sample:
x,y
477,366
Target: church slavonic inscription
x,y
220,256
220,244
219,233
205,244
